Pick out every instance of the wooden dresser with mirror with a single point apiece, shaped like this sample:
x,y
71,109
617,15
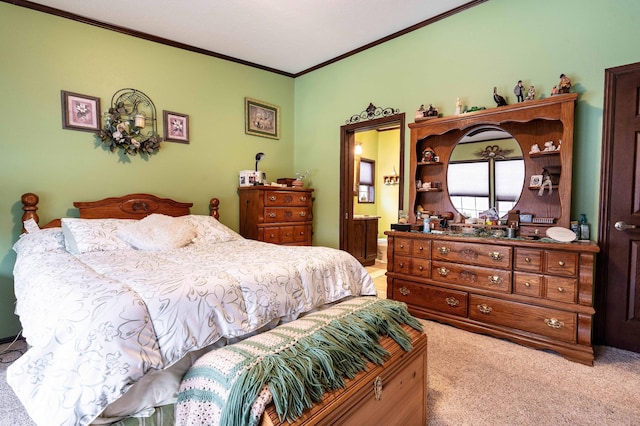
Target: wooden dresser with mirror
x,y
530,289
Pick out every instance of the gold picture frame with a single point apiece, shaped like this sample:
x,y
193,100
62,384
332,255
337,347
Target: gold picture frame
x,y
261,119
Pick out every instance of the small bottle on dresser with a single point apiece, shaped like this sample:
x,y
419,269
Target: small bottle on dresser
x,y
585,228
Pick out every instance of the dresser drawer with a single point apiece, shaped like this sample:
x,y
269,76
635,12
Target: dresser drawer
x,y
269,235
547,322
494,256
528,260
440,299
533,231
472,276
302,234
561,289
403,246
528,284
286,214
286,198
286,234
421,248
420,267
402,264
561,263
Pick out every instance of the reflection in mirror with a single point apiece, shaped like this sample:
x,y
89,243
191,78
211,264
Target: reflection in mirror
x,y
486,170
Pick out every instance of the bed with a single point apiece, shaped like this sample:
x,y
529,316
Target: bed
x,y
117,303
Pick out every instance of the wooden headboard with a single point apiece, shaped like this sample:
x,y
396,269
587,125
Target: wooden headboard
x,y
131,206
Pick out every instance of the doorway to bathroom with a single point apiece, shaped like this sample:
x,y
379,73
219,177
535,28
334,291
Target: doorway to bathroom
x,y
380,142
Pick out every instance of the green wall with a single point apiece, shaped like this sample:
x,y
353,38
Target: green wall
x,y
493,44
43,54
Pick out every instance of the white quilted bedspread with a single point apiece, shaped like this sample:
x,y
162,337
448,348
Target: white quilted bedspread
x,y
99,321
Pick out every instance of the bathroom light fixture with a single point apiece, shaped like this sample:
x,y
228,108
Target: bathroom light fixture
x,y
358,148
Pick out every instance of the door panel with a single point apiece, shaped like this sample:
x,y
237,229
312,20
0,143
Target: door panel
x,y
618,287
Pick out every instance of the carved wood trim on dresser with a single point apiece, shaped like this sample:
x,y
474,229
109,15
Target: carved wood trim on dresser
x,y
536,293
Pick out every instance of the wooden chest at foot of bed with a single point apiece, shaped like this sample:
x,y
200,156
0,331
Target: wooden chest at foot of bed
x,y
394,393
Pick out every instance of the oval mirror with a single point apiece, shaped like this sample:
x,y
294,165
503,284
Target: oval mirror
x,y
485,174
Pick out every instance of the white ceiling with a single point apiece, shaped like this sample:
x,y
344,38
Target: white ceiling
x,y
290,36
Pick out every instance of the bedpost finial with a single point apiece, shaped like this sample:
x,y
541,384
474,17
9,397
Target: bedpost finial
x,y
29,206
214,205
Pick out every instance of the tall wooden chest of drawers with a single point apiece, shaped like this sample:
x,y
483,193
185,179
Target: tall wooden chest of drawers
x,y
537,293
279,215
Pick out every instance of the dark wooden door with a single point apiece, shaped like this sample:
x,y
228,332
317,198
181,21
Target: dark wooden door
x,y
618,286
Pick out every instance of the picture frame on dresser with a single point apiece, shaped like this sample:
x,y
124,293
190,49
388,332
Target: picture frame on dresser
x,y
80,112
535,181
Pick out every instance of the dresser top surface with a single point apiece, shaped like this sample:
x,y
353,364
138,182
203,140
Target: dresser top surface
x,y
581,246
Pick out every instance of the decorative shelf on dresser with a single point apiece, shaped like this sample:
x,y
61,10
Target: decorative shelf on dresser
x,y
490,140
279,215
536,293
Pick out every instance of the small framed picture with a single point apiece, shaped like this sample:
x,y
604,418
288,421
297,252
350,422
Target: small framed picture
x,y
176,127
80,112
536,181
261,119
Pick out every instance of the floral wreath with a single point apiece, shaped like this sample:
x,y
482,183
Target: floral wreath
x,y
120,132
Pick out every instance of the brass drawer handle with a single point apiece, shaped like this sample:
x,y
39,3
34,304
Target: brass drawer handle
x,y
420,268
527,259
401,265
404,291
561,289
561,263
272,198
303,198
302,214
484,308
443,250
452,301
527,284
496,255
554,323
537,231
443,271
495,279
420,248
287,234
272,214
377,388
401,246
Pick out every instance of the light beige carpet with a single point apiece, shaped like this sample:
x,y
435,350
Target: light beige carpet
x,y
478,380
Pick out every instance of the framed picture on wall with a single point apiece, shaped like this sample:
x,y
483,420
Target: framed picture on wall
x,y
261,119
80,112
176,127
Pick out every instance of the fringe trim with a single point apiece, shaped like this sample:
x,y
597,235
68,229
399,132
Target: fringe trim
x,y
299,375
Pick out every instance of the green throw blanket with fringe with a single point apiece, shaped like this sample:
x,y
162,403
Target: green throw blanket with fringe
x,y
294,364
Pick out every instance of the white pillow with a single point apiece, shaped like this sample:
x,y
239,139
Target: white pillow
x,y
210,230
158,232
87,235
39,242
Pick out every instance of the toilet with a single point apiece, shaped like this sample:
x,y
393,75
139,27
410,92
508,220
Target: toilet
x,y
382,250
